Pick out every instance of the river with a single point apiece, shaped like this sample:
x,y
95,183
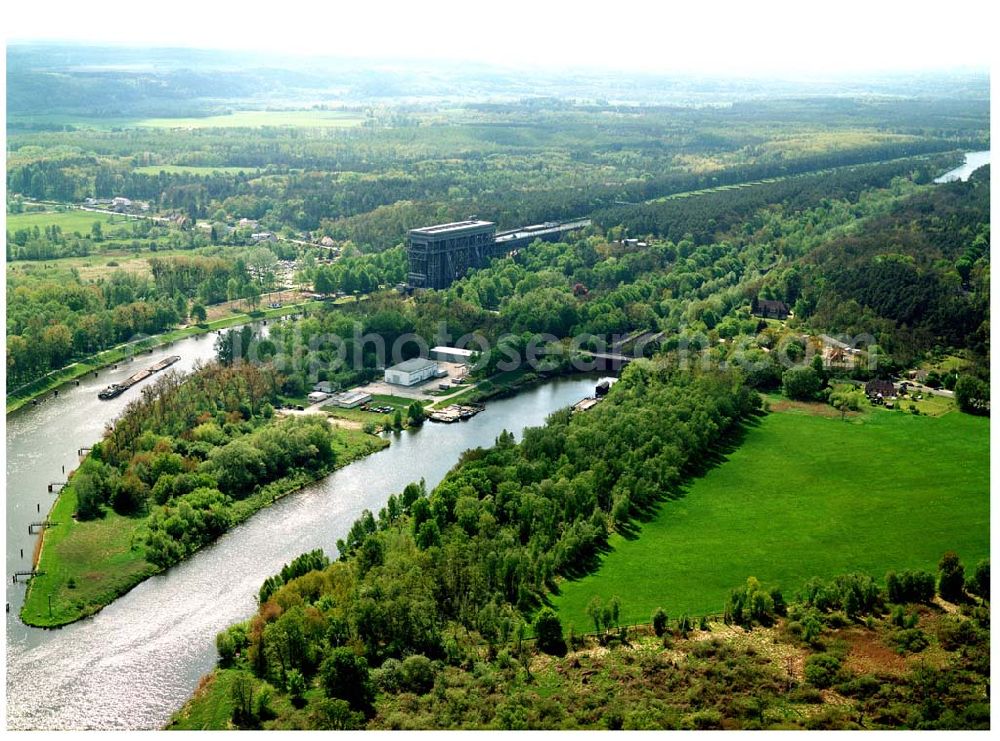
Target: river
x,y
134,663
973,161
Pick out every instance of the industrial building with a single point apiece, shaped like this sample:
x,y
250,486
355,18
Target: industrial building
x,y
440,254
410,372
350,399
452,354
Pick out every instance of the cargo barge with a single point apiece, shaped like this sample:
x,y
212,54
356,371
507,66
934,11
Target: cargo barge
x,y
117,389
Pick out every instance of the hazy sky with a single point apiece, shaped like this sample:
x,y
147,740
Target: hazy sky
x,y
696,35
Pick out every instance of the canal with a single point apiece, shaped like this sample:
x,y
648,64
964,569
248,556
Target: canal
x,y
135,662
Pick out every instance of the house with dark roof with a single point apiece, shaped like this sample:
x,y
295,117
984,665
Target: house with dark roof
x,y
771,309
879,388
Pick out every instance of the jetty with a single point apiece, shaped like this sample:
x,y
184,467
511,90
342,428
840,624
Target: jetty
x,y
455,412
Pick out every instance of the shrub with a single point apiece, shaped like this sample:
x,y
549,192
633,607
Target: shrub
x,y
909,640
955,632
345,677
389,676
821,670
417,674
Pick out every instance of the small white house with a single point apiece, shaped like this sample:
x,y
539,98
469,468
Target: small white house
x,y
325,386
317,396
410,372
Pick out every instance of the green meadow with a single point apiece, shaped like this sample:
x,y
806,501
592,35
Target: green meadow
x,y
72,220
803,495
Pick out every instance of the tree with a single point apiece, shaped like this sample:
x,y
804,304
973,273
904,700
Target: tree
x,y
345,676
548,633
322,283
296,685
237,467
951,577
241,693
801,383
335,715
659,622
415,414
972,395
979,584
251,292
198,313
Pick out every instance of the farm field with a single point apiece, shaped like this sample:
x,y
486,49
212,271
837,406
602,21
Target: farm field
x,y
804,495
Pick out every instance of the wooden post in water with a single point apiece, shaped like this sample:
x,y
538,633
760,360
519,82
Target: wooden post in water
x,y
38,507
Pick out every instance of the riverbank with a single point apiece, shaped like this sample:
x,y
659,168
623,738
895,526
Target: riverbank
x,y
26,394
89,564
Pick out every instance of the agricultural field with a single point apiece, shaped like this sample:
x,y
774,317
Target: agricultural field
x,y
878,491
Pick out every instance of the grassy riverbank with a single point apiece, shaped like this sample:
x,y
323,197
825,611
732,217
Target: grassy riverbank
x,y
55,379
89,564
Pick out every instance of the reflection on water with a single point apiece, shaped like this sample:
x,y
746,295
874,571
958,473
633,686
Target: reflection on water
x,y
973,161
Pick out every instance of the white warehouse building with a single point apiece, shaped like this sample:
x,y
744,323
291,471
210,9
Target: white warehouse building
x,y
452,354
411,371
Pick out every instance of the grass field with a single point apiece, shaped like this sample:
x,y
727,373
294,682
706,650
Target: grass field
x,y
89,564
72,220
804,495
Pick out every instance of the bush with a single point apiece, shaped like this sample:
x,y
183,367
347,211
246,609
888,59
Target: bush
x,y
909,586
345,677
226,647
417,674
389,676
801,383
954,632
909,640
821,670
335,715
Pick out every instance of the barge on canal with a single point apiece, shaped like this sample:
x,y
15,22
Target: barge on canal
x,y
117,389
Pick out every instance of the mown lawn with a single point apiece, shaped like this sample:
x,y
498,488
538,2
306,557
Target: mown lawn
x,y
803,495
97,556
